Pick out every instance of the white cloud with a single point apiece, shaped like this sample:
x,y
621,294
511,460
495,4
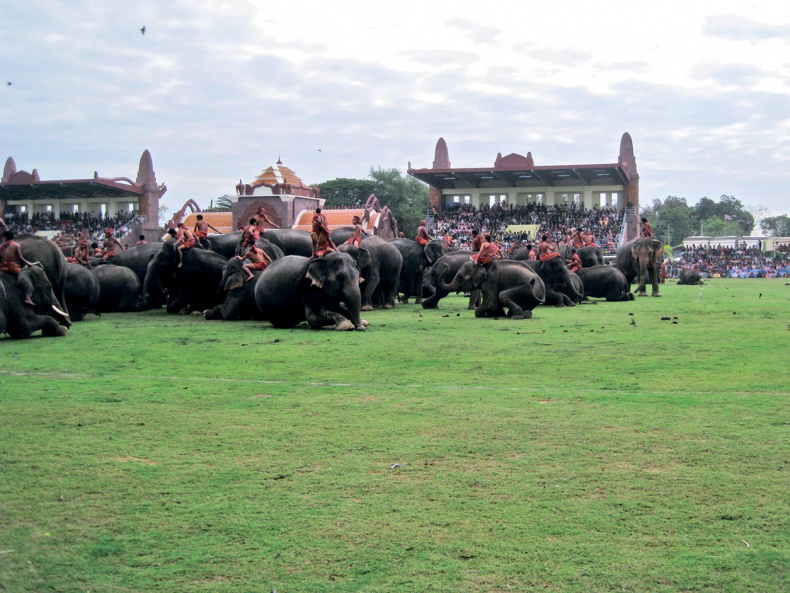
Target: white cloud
x,y
217,90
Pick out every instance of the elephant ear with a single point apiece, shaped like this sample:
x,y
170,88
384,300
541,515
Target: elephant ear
x,y
363,257
479,276
634,251
433,251
235,277
317,272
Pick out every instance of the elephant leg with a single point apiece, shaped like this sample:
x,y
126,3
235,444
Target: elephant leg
x,y
316,319
475,299
654,278
213,314
432,302
370,285
511,297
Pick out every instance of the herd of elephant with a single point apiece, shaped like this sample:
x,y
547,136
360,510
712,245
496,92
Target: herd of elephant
x,y
295,287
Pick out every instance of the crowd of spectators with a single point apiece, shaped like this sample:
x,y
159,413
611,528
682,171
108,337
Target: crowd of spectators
x,y
737,262
71,223
558,222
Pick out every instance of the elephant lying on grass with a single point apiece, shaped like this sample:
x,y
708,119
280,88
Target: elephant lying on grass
x,y
503,283
322,291
18,319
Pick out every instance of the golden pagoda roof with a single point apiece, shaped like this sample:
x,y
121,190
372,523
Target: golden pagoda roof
x,y
277,175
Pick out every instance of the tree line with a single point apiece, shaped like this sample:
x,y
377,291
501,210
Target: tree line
x,y
673,219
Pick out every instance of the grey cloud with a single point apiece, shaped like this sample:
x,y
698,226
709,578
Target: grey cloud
x,y
728,74
441,58
741,29
475,31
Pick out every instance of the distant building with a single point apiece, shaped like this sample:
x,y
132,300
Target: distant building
x,y
516,180
23,192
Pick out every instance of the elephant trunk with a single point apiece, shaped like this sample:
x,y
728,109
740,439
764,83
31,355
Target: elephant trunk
x,y
453,286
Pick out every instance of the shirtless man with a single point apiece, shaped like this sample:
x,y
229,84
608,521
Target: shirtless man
x,y
477,241
141,240
11,262
249,234
575,262
261,218
356,235
576,239
423,238
201,231
531,254
81,254
111,244
321,235
186,241
488,252
258,261
545,246
588,239
647,229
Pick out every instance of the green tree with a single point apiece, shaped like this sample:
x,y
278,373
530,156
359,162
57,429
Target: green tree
x,y
407,197
221,204
346,192
732,207
672,219
776,226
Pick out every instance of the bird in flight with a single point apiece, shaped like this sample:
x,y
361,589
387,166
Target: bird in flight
x,y
142,30
9,83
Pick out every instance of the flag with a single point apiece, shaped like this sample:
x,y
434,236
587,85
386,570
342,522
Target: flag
x,y
727,217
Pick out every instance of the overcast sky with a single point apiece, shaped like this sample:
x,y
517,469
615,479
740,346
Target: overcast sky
x,y
218,89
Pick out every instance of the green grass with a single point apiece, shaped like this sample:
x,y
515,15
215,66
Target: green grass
x,y
574,451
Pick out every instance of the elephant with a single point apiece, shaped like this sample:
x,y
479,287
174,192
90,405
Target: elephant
x,y
135,258
503,283
453,261
51,258
379,264
193,286
560,290
228,245
82,291
690,277
119,289
605,282
342,234
416,259
639,260
590,256
18,319
239,300
291,241
294,288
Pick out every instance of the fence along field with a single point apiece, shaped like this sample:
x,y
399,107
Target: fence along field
x,y
586,449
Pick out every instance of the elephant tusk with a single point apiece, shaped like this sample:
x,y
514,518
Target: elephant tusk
x,y
59,312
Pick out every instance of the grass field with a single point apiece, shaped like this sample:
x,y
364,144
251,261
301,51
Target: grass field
x,y
586,449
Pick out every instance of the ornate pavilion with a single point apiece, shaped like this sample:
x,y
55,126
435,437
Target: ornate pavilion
x,y
21,191
515,179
